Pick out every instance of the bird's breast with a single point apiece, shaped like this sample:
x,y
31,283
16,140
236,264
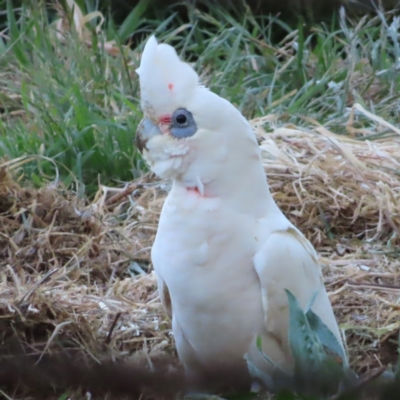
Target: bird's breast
x,y
198,231
205,258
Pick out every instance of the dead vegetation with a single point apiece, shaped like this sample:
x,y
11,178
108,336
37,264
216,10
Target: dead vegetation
x,y
344,194
77,276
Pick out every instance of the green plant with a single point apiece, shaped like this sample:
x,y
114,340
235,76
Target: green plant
x,y
74,97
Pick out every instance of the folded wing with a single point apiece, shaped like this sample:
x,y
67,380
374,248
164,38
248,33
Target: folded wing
x,y
287,260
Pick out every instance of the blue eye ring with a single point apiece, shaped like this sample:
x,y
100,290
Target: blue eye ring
x,y
182,124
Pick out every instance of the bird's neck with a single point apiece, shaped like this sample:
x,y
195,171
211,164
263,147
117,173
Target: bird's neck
x,y
244,189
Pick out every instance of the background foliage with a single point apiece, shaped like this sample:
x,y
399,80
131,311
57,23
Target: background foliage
x,y
73,96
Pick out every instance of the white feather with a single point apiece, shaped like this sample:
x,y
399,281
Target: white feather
x,y
165,80
224,254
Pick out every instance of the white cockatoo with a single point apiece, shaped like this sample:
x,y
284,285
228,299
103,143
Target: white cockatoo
x,y
224,252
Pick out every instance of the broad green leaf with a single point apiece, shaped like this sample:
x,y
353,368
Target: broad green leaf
x,y
326,337
304,343
315,371
330,342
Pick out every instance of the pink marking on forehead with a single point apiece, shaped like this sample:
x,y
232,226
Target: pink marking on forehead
x,y
165,119
170,86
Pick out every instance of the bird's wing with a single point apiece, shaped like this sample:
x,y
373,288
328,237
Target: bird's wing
x,y
287,260
164,296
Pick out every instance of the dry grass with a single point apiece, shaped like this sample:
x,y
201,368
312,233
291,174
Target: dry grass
x,y
344,194
78,275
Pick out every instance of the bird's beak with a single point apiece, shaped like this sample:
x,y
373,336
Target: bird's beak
x,y
144,132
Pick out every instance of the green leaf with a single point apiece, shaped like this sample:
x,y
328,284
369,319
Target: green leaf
x,y
330,342
3,47
37,181
316,372
304,343
132,21
326,337
15,35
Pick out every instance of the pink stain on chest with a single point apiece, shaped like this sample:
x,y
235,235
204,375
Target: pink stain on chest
x,y
170,86
194,190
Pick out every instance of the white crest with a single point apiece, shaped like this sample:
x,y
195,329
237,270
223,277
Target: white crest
x,y
166,82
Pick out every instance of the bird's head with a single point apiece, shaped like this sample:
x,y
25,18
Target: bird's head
x,y
188,133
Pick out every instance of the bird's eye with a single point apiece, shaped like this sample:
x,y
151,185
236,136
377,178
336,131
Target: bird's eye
x,y
182,124
181,119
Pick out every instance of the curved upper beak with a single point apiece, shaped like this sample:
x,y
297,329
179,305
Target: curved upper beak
x,y
144,132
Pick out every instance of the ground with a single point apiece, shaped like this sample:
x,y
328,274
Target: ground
x,y
78,275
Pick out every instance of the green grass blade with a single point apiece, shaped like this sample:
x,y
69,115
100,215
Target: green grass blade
x,y
132,21
15,35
